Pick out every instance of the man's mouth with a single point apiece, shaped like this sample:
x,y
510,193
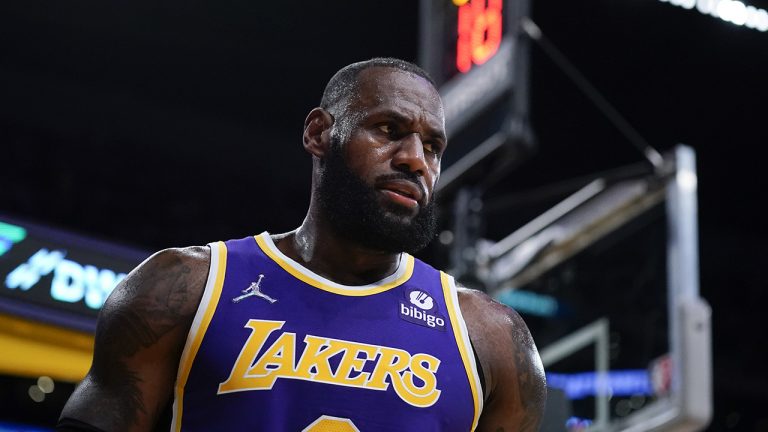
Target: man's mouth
x,y
403,192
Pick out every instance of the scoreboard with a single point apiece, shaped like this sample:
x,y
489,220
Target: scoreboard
x,y
478,56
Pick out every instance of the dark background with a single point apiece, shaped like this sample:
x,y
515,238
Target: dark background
x,y
171,123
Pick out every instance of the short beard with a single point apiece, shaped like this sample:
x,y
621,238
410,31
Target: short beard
x,y
355,213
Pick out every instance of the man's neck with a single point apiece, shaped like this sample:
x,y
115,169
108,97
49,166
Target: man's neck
x,y
317,248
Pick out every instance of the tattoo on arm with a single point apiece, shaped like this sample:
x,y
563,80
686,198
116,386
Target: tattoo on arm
x,y
530,384
129,405
530,419
149,305
152,313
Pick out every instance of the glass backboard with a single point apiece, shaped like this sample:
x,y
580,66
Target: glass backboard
x,y
607,281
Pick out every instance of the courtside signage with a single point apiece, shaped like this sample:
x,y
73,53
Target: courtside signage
x,y
47,274
71,281
10,235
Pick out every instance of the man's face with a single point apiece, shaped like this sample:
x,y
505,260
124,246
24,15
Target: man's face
x,y
378,183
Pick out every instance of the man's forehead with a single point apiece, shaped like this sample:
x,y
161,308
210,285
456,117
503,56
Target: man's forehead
x,y
386,85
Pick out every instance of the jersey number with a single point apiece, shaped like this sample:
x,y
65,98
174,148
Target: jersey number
x,y
331,424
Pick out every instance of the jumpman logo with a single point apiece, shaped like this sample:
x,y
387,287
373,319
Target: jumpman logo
x,y
254,290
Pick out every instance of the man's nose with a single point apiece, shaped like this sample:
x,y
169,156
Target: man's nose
x,y
410,155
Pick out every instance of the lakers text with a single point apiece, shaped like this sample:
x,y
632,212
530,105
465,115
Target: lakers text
x,y
411,375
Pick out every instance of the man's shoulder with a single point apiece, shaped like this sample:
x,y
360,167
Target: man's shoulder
x,y
481,310
195,258
191,262
494,319
178,274
508,357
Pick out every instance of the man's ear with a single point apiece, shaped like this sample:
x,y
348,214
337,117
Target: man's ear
x,y
317,132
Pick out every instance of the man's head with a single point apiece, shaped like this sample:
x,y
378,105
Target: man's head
x,y
343,87
377,140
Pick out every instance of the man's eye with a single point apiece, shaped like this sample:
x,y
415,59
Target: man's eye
x,y
387,129
432,147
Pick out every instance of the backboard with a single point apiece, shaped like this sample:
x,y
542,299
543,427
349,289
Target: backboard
x,y
607,281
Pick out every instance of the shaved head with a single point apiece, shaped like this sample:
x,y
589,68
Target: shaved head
x,y
343,86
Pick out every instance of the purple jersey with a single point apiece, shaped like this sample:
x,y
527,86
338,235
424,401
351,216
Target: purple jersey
x,y
276,347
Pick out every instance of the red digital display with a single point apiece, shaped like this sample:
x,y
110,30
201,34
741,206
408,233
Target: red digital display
x,y
479,32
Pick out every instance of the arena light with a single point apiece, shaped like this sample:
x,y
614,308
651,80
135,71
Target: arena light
x,y
732,11
629,382
529,302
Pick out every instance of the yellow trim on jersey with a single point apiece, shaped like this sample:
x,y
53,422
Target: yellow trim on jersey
x,y
462,342
325,286
200,324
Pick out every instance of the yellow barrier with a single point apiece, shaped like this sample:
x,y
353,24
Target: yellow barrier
x,y
33,349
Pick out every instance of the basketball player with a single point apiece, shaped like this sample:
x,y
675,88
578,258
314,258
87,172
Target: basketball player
x,y
333,326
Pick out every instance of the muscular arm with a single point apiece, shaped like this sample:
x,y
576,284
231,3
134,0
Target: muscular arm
x,y
514,377
139,338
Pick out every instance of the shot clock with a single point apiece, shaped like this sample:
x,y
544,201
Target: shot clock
x,y
478,56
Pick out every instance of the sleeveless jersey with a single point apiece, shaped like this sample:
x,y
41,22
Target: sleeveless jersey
x,y
275,347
